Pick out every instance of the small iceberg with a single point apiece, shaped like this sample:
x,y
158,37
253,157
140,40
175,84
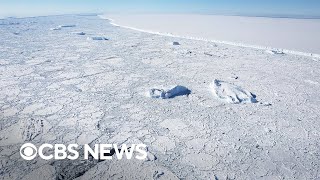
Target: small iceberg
x,y
67,25
97,38
55,29
231,93
275,52
168,93
79,33
175,43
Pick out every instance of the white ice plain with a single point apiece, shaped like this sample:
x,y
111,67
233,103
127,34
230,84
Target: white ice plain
x,y
293,35
59,87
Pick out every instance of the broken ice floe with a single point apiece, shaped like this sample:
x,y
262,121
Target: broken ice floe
x,y
24,130
61,26
10,23
275,52
168,93
97,38
233,76
175,43
231,93
55,29
67,25
79,33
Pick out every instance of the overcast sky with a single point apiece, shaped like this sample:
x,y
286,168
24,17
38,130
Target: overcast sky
x,y
235,7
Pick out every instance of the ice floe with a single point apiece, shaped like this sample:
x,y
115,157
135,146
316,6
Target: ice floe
x,y
55,29
97,38
275,52
67,25
61,26
175,43
79,33
168,93
231,93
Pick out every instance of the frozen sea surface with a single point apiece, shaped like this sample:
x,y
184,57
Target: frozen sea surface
x,y
296,36
59,87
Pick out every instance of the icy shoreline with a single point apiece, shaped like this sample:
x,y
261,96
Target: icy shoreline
x,y
246,45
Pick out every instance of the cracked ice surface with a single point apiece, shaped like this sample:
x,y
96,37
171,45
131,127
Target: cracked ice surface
x,y
58,87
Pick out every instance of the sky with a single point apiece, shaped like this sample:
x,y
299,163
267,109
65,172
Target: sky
x,y
307,8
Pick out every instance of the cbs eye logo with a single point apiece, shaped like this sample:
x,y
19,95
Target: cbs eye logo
x,y
28,151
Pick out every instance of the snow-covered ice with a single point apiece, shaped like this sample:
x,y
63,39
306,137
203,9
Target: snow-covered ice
x,y
59,88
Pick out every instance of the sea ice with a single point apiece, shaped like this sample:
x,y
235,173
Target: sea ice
x,y
254,32
51,92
